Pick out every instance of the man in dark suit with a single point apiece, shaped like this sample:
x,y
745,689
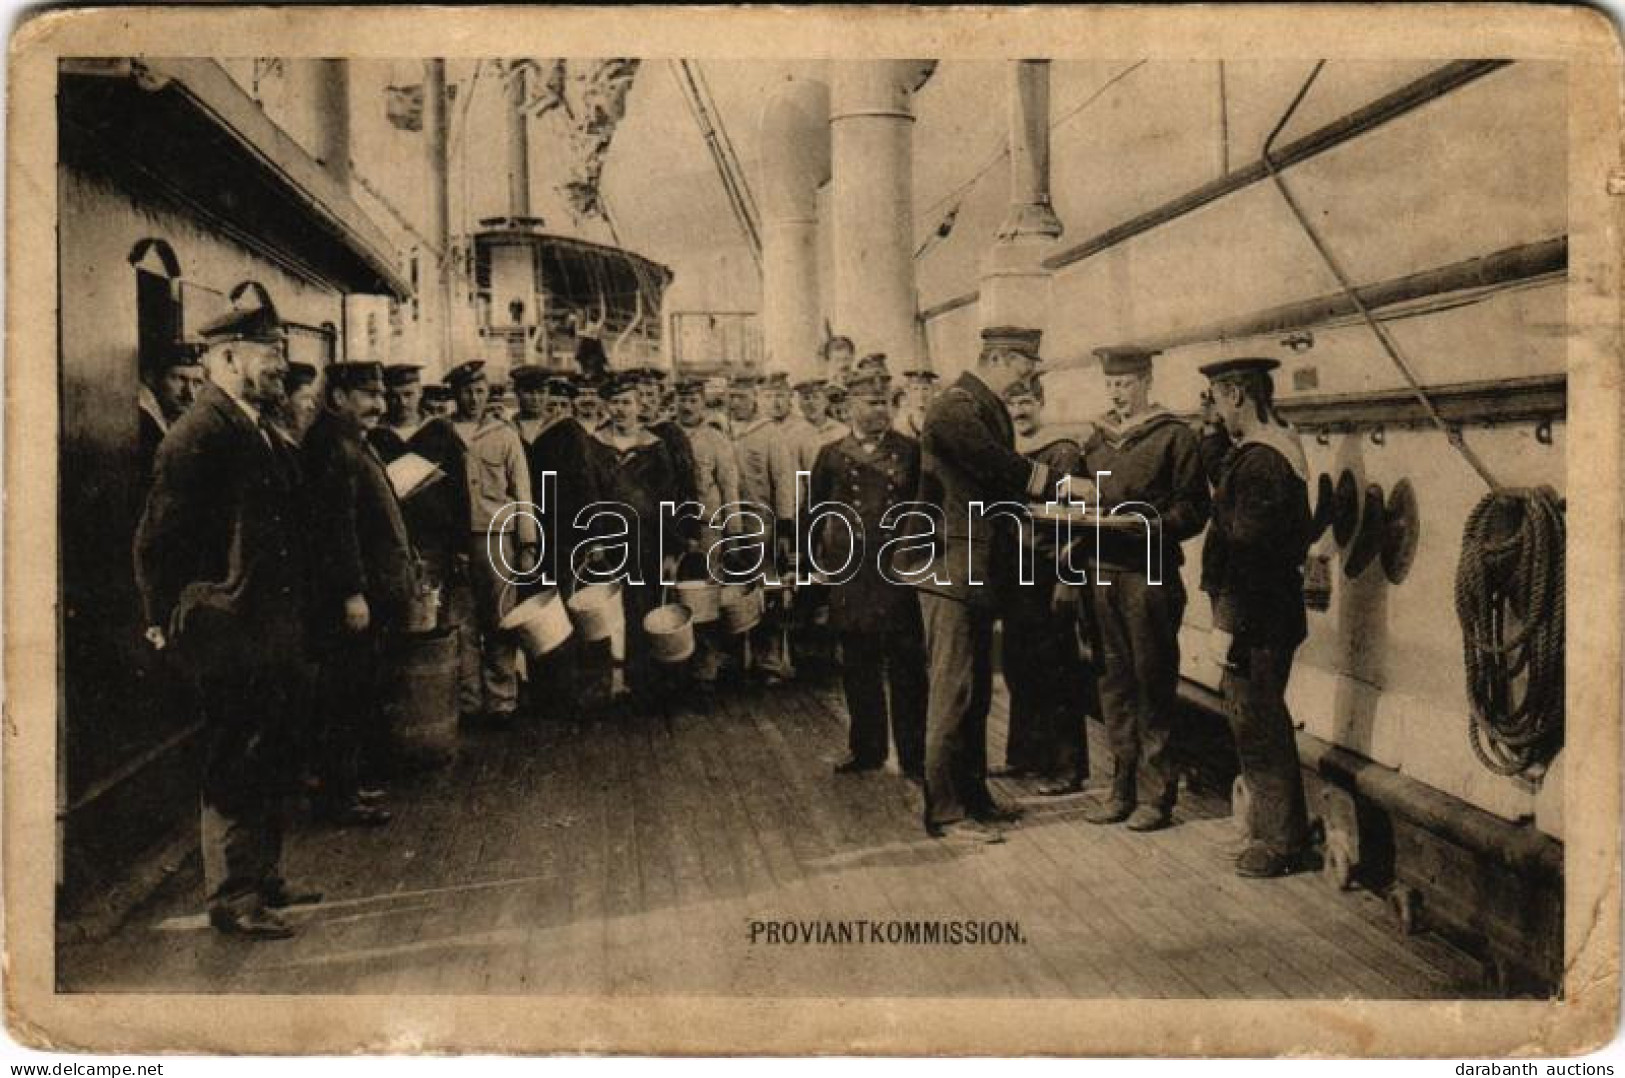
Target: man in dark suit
x,y
220,562
169,385
364,582
882,640
968,456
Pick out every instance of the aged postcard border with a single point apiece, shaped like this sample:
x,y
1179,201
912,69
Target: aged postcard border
x,y
1583,1019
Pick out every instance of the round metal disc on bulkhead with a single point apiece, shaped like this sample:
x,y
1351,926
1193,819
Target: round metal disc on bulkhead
x,y
1368,536
1346,508
1402,530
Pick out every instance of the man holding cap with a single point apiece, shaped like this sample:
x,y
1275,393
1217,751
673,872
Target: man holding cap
x,y
364,584
968,456
1252,569
220,558
495,476
1154,461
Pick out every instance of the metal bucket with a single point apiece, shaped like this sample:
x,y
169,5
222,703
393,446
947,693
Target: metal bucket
x,y
420,698
670,630
540,622
598,615
741,608
702,597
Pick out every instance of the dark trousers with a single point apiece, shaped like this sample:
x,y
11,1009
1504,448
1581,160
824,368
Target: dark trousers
x,y
1138,623
1254,701
872,663
959,647
248,770
354,737
1050,688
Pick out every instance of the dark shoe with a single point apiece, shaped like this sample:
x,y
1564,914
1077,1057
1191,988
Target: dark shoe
x,y
1150,818
970,832
853,766
1011,771
282,896
1259,862
256,925
999,813
1110,811
356,814
1061,788
371,796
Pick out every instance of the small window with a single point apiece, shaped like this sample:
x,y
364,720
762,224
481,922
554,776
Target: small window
x,y
158,300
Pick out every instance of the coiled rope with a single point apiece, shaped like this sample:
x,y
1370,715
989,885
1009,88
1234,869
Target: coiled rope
x,y
1509,600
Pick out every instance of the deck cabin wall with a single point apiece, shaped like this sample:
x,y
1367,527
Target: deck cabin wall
x,y
1478,170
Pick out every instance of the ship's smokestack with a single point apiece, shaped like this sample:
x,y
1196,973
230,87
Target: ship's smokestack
x,y
795,162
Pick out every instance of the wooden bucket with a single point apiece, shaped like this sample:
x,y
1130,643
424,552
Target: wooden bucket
x,y
702,597
670,630
541,623
420,699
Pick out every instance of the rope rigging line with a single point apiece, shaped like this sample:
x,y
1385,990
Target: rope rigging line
x,y
733,182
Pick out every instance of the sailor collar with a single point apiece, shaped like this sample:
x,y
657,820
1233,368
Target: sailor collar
x,y
484,426
1284,440
639,439
1114,429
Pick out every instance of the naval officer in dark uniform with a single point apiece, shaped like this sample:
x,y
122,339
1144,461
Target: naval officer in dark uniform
x,y
882,639
364,578
221,562
1252,569
968,455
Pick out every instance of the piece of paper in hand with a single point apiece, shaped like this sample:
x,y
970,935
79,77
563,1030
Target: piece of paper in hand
x,y
411,473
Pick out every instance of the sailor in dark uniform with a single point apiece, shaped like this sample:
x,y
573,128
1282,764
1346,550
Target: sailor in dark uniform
x,y
589,403
882,639
645,474
220,559
1154,460
1042,669
300,405
582,467
169,385
1252,569
436,514
364,583
655,416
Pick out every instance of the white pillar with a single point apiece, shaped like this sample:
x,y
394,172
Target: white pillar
x,y
872,132
795,162
1015,285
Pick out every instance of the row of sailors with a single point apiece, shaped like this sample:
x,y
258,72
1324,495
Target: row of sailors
x,y
259,551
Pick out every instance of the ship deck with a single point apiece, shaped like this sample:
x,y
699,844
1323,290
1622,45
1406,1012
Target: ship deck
x,y
630,855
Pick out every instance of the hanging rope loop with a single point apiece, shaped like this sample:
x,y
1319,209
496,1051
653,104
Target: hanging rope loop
x,y
1510,603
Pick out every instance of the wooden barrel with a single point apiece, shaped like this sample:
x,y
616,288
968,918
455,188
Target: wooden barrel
x,y
420,697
